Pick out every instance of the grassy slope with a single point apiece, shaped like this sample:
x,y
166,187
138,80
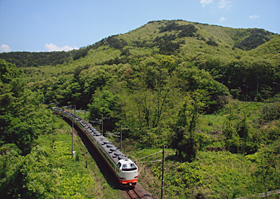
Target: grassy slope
x,y
270,49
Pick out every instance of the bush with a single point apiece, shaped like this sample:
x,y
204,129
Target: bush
x,y
186,30
211,42
271,112
116,43
212,175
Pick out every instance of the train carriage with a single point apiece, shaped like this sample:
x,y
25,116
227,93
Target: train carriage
x,y
125,170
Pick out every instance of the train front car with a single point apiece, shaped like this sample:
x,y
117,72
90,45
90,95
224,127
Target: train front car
x,y
127,172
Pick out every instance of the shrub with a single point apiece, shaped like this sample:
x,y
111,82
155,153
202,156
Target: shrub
x,y
271,112
211,42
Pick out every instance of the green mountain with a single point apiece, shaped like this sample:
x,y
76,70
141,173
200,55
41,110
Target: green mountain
x,y
234,57
164,37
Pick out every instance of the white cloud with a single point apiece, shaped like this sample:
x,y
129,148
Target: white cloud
x,y
4,48
254,16
222,19
205,2
53,47
224,4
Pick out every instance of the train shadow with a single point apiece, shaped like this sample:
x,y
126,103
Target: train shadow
x,y
103,167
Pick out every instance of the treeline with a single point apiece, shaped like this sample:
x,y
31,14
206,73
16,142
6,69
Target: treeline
x,y
245,76
36,59
28,59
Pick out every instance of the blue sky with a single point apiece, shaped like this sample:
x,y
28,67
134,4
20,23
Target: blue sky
x,y
52,25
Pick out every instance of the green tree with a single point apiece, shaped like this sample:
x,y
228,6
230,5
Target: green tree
x,y
19,110
106,104
266,175
185,139
31,176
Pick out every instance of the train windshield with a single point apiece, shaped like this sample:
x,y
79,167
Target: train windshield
x,y
129,167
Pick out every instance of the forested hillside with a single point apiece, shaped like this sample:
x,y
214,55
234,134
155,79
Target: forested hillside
x,y
174,83
36,59
233,57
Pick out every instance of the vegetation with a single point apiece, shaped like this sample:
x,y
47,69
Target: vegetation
x,y
28,59
173,83
217,172
47,171
257,38
36,159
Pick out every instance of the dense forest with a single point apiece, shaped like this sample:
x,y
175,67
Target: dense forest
x,y
210,93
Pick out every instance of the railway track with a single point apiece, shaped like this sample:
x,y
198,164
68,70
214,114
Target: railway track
x,y
132,194
137,192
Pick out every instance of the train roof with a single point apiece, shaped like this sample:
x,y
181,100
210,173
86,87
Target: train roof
x,y
125,161
106,145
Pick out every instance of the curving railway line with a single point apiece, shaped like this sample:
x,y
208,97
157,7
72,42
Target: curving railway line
x,y
123,168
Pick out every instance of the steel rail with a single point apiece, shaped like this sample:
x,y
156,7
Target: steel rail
x,y
133,195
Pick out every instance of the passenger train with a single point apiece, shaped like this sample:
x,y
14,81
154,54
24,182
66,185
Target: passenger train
x,y
124,169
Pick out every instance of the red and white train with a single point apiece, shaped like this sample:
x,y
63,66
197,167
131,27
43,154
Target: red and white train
x,y
125,170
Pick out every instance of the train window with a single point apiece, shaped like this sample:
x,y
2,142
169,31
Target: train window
x,y
119,165
129,167
132,166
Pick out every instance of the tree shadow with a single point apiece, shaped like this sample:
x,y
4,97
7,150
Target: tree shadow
x,y
175,158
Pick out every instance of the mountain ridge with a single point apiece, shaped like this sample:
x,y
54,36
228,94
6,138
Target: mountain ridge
x,y
164,37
